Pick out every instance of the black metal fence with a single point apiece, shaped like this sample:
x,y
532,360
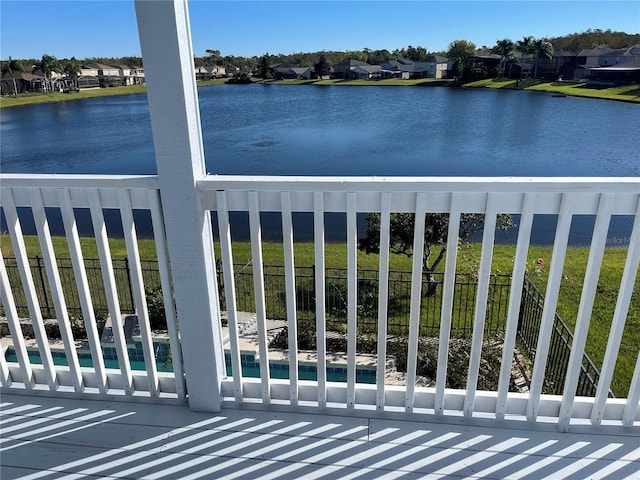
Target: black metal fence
x,y
150,273
560,345
336,279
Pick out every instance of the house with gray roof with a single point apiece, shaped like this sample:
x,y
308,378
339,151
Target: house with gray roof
x,y
292,73
627,56
340,68
609,66
435,66
363,72
21,82
107,75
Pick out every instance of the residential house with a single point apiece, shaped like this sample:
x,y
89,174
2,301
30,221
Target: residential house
x,y
623,74
300,73
340,68
107,75
520,67
200,72
207,72
88,78
363,72
435,66
53,82
279,70
138,75
625,59
561,65
589,56
489,62
124,71
400,68
628,56
131,75
21,82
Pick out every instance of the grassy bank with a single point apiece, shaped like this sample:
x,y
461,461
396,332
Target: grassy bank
x,y
35,98
539,259
390,82
629,93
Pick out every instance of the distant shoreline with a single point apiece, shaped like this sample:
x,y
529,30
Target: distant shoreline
x,y
627,93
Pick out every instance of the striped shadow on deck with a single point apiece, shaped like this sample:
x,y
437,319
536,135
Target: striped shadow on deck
x,y
53,438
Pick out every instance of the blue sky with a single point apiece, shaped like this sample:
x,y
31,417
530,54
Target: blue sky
x,y
93,28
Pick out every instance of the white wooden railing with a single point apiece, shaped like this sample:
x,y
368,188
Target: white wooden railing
x,y
318,196
96,193
525,197
180,200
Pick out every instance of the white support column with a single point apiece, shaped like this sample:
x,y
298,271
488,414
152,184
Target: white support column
x,y
165,40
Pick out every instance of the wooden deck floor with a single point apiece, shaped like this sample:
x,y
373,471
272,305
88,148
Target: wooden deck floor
x,y
44,437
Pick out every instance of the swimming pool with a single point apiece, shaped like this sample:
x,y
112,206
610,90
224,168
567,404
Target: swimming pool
x,y
250,367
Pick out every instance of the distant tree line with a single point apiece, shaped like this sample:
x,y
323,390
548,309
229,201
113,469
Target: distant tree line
x,y
594,38
457,52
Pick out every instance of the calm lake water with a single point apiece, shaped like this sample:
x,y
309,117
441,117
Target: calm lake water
x,y
339,130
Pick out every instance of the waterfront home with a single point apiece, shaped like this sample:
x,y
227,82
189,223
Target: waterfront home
x,y
21,82
340,68
107,75
363,72
206,418
207,72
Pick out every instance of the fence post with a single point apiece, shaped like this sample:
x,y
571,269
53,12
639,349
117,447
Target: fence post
x,y
523,298
45,292
129,289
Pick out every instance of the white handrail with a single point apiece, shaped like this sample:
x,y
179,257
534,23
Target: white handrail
x,y
351,197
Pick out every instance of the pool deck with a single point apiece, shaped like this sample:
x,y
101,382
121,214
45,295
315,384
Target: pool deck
x,y
46,437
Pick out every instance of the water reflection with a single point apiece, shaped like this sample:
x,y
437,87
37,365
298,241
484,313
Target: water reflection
x,y
285,130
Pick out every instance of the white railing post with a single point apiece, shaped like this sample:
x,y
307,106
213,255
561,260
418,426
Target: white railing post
x,y
165,40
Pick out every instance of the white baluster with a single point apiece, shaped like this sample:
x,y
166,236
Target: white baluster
x,y
416,297
258,288
484,277
318,238
383,298
290,288
230,291
82,283
352,297
20,252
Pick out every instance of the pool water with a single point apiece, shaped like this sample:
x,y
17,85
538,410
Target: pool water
x,y
250,367
306,371
109,355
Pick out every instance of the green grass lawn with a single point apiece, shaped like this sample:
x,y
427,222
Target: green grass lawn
x,y
627,93
468,262
34,98
630,93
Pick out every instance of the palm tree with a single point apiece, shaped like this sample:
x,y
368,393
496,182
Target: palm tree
x,y
542,49
524,46
47,65
9,68
72,69
504,48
